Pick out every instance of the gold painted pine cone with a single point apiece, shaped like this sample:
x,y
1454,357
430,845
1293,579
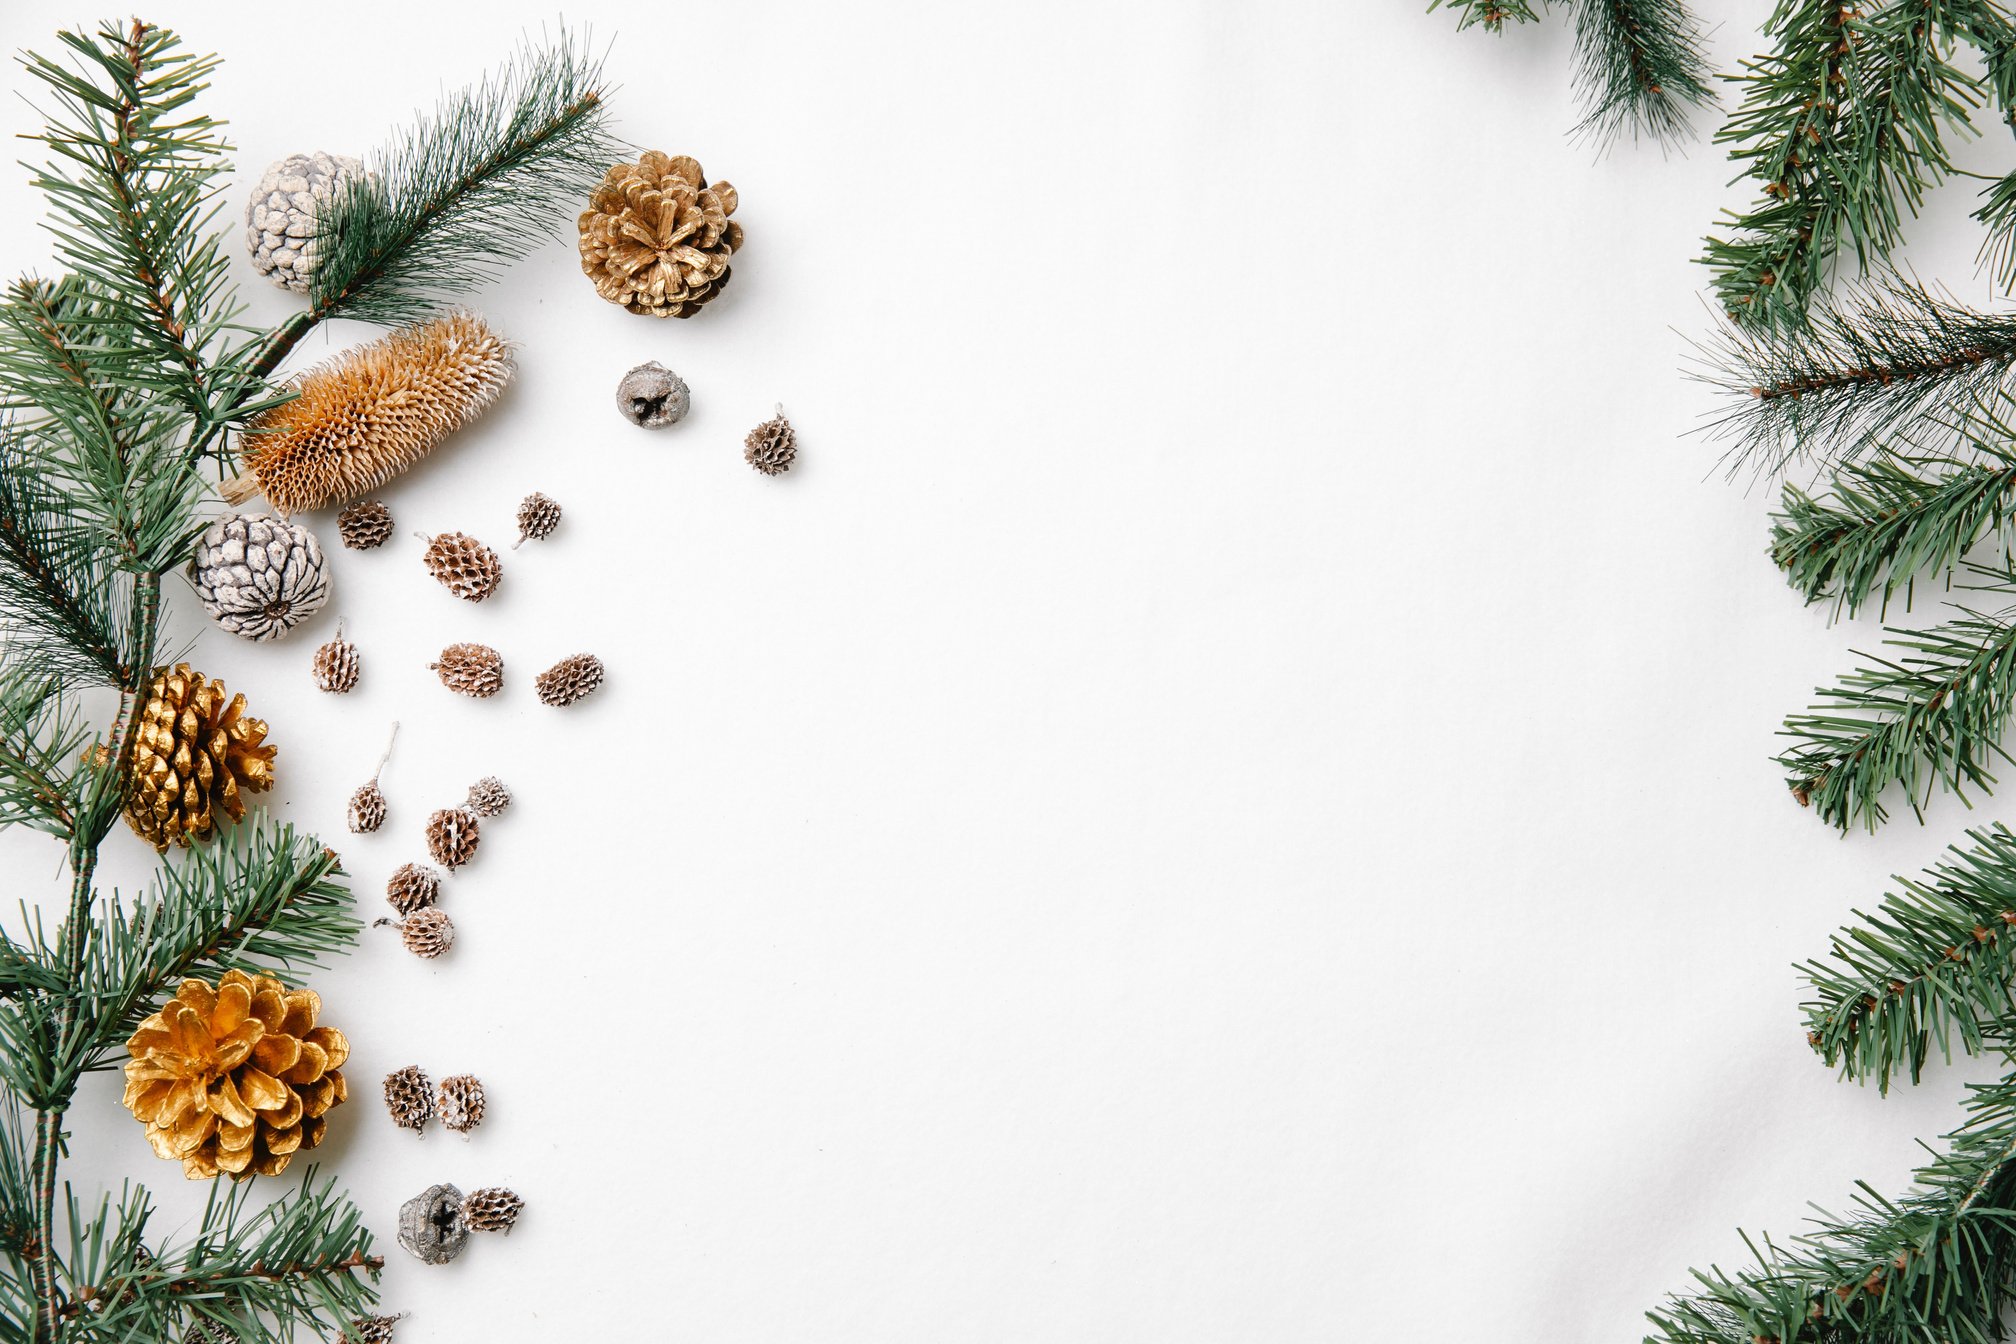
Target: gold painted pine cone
x,y
237,1077
656,238
194,755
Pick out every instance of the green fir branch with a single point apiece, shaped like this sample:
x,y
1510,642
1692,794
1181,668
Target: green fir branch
x,y
1933,716
460,195
1930,969
41,741
1491,15
1887,520
1938,1264
60,599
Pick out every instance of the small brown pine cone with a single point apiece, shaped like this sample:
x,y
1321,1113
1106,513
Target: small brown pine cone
x,y
414,886
367,809
570,679
537,517
460,1103
463,565
208,1332
337,664
410,1098
488,796
426,932
365,526
370,1330
475,670
772,446
491,1209
452,836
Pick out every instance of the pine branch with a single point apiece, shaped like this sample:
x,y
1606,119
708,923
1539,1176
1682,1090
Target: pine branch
x,y
1889,357
1639,66
460,195
1931,968
1937,1264
1842,125
1493,15
1887,520
1935,716
58,592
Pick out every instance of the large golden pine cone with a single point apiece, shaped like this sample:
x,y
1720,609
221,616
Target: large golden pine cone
x,y
194,755
656,238
236,1078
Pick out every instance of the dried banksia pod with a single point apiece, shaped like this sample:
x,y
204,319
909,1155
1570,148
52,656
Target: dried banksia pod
x,y
370,1330
452,836
365,526
426,932
463,565
367,804
491,1209
470,669
258,578
538,515
337,664
488,796
431,1226
412,886
410,1098
570,679
653,396
460,1103
194,756
656,238
772,446
367,415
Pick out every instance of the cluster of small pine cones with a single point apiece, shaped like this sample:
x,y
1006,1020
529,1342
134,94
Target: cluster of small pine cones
x,y
453,833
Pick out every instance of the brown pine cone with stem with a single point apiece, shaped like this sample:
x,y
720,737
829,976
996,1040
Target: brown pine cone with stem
x,y
474,670
772,446
463,565
491,1209
367,804
194,756
337,665
460,1103
570,679
365,526
488,797
412,886
426,932
452,836
409,1096
537,517
656,238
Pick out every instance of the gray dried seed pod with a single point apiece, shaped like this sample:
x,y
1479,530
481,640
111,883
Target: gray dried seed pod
x,y
280,217
488,796
460,1102
426,932
538,515
259,577
413,886
570,679
653,396
410,1098
431,1226
491,1209
452,836
365,526
474,670
367,809
772,446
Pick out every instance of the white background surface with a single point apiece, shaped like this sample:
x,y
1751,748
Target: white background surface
x,y
1226,799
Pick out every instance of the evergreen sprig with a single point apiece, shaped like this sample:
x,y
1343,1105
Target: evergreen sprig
x,y
458,196
1888,358
1843,124
1933,716
1937,1264
1639,64
1932,968
1887,520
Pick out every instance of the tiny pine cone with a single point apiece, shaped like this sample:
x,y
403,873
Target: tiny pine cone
x,y
463,565
410,1098
771,447
367,809
337,664
452,836
488,796
369,1330
491,1209
570,679
413,886
427,933
460,1102
365,526
474,670
537,517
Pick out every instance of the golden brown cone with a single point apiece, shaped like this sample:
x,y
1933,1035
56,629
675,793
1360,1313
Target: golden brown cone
x,y
235,1077
370,413
656,238
194,756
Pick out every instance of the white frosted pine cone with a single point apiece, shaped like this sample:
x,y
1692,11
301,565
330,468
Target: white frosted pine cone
x,y
259,577
280,217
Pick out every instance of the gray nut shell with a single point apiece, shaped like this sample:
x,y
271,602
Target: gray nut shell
x,y
430,1224
653,396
